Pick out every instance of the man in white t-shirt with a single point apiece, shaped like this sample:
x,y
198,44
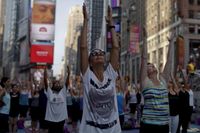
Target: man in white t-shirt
x,y
56,111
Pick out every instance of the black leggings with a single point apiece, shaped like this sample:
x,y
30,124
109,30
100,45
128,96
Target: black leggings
x,y
3,123
149,128
184,119
56,127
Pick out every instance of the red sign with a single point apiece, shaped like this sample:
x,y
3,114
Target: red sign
x,y
181,51
42,53
134,39
43,20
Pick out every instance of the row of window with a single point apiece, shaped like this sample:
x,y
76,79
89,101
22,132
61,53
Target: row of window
x,y
194,29
194,14
192,2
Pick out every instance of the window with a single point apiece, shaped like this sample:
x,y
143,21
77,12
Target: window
x,y
197,15
198,2
191,2
160,55
154,57
191,29
198,29
191,14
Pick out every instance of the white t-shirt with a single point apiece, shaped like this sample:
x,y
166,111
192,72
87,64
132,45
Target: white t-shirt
x,y
133,98
100,102
191,100
56,110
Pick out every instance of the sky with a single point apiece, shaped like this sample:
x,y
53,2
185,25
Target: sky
x,y
62,11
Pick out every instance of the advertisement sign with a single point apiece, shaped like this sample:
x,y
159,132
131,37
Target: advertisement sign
x,y
43,20
134,39
117,27
180,50
109,41
115,3
42,53
24,53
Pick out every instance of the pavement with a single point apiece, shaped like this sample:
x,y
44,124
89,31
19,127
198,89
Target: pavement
x,y
131,131
193,129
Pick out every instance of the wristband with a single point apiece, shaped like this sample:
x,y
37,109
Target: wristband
x,y
112,26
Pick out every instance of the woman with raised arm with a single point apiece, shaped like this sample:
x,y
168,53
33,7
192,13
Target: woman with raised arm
x,y
100,113
174,104
186,106
56,111
5,104
34,106
155,117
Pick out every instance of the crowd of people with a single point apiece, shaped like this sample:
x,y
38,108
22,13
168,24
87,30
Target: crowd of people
x,y
100,98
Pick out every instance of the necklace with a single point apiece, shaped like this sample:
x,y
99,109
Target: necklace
x,y
99,76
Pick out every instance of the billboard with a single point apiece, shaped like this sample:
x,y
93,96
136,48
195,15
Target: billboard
x,y
134,39
115,3
43,20
180,50
42,53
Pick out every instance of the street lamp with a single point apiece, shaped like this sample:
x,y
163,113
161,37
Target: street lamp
x,y
195,54
131,20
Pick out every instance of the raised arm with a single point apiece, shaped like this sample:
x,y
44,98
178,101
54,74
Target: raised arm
x,y
2,92
114,55
168,65
68,77
143,69
174,81
83,46
45,79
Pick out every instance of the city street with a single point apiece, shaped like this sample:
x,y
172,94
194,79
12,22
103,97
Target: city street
x,y
131,131
194,129
88,66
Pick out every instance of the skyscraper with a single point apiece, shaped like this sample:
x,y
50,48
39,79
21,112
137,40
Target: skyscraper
x,y
96,12
10,36
75,21
162,18
2,15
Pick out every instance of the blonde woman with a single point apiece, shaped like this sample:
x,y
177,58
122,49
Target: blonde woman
x,y
155,116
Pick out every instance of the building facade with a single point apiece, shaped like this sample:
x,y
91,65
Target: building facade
x,y
132,15
9,39
2,16
96,12
15,55
163,17
190,28
23,37
75,22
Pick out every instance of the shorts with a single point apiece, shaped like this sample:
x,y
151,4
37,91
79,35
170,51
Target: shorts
x,y
35,113
69,110
132,107
14,112
4,123
149,128
76,113
23,109
43,123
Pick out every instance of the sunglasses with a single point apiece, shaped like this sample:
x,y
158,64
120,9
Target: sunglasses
x,y
99,53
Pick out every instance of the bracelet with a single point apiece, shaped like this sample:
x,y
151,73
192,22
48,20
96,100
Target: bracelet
x,y
144,57
111,26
